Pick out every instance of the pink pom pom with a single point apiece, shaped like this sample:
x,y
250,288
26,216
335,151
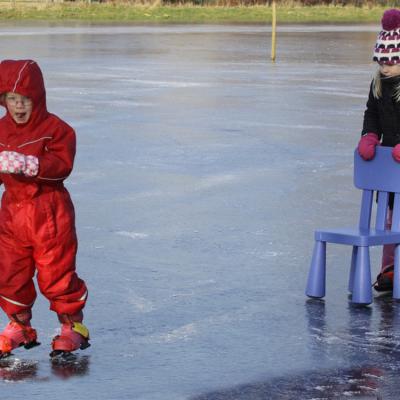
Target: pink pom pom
x,y
391,19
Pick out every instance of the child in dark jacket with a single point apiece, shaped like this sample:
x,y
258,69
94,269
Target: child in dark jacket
x,y
37,221
382,119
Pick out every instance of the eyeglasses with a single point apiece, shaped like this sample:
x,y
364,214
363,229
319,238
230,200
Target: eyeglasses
x,y
14,99
388,63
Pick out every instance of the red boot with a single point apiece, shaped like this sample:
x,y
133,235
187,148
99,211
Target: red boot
x,y
17,333
74,335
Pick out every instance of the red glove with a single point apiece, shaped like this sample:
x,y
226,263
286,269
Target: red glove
x,y
12,162
396,152
366,146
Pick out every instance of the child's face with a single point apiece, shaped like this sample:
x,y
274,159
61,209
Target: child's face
x,y
20,107
389,70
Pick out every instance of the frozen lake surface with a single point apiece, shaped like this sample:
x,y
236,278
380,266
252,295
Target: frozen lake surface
x,y
202,171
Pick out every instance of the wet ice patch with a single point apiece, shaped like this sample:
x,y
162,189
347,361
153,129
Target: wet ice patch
x,y
324,384
132,235
15,369
358,339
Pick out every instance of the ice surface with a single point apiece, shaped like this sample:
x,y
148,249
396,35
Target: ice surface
x,y
202,171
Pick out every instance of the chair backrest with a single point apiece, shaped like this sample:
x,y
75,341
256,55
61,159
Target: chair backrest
x,y
381,174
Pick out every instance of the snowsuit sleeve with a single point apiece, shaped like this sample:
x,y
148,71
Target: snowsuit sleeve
x,y
57,160
371,122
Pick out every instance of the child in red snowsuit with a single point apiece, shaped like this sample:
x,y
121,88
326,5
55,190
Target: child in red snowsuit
x,y
37,221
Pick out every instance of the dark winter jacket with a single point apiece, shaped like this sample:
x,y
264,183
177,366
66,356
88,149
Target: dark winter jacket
x,y
382,115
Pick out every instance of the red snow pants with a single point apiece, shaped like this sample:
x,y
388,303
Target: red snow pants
x,y
37,233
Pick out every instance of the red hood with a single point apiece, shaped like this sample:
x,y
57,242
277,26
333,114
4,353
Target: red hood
x,y
24,77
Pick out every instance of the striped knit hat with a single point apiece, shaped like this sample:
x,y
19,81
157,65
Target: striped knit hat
x,y
387,48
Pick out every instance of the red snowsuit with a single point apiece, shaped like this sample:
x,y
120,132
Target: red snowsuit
x,y
37,221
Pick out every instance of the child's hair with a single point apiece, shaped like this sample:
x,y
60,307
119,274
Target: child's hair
x,y
377,87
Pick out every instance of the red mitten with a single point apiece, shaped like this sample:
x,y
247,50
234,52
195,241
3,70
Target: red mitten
x,y
12,162
366,146
396,152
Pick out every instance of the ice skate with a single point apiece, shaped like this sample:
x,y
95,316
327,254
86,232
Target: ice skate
x,y
17,334
384,281
74,335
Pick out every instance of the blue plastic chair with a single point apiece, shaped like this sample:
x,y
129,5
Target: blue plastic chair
x,y
382,174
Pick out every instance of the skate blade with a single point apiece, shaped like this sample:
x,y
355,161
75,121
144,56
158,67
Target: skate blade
x,y
62,356
4,356
384,295
85,345
30,345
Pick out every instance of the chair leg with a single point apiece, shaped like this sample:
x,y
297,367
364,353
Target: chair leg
x,y
317,273
352,268
362,291
396,276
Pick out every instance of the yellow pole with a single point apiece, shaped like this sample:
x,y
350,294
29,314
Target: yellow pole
x,y
273,44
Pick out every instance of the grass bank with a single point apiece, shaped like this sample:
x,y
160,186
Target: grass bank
x,y
107,12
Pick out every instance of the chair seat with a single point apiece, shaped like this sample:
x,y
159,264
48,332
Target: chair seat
x,y
357,237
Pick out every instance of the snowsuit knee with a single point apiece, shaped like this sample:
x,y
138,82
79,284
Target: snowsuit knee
x,y
37,220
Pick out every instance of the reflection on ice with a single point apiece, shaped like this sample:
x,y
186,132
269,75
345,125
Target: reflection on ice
x,y
361,336
352,383
14,369
77,367
373,353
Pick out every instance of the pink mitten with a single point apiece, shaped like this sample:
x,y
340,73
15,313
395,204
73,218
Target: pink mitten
x,y
31,166
366,146
12,162
396,152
